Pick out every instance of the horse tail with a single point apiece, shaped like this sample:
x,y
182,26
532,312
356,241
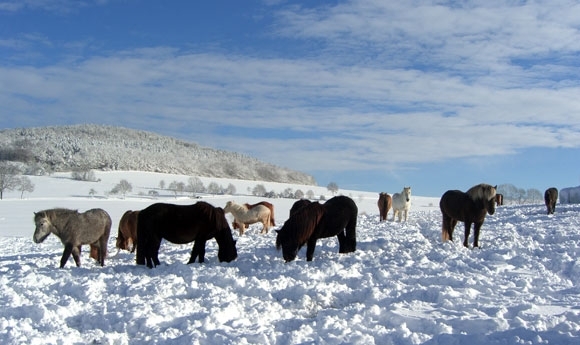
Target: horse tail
x,y
272,222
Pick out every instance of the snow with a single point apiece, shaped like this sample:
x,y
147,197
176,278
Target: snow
x,y
401,286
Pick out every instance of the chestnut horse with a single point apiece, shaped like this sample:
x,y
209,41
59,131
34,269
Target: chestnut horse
x,y
384,203
499,199
127,231
550,198
336,217
264,203
183,224
470,207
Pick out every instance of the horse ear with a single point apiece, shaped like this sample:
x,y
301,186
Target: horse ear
x,y
495,187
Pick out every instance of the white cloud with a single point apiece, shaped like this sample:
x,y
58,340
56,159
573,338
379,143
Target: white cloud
x,y
393,82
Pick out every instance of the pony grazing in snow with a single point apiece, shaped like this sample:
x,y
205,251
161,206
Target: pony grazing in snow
x,y
183,224
402,203
384,203
127,231
499,199
263,203
75,229
470,207
243,215
336,217
550,198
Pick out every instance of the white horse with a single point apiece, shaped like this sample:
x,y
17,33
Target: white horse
x,y
402,203
243,215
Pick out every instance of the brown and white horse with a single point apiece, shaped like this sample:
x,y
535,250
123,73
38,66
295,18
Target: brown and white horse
x,y
243,215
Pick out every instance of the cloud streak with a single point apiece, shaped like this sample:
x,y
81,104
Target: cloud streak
x,y
387,84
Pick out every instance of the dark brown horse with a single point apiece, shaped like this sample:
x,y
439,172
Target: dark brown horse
x,y
470,208
384,203
183,224
127,231
550,198
263,203
336,217
499,199
75,229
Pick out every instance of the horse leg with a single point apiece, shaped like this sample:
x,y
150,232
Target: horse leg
x,y
467,231
394,214
153,253
265,224
446,233
102,250
76,254
242,227
476,229
66,254
347,239
406,213
310,248
198,250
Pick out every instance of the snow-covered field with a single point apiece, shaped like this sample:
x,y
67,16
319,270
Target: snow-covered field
x,y
401,286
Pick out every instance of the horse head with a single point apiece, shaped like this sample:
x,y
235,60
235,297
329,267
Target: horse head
x,y
491,202
287,244
407,193
43,227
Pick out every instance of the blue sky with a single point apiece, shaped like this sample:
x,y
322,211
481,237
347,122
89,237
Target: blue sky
x,y
372,95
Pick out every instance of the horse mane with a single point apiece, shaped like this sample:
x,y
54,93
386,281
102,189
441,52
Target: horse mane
x,y
53,211
302,223
482,191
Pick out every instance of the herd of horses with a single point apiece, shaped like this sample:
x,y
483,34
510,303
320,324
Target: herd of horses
x,y
143,231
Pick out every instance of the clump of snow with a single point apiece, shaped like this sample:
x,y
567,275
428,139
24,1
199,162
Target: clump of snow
x,y
401,286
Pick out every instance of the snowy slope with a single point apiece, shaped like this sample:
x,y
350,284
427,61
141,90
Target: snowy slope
x,y
401,286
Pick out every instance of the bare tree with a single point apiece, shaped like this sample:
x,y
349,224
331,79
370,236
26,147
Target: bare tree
x,y
332,187
25,185
259,190
176,187
230,189
122,187
214,188
8,178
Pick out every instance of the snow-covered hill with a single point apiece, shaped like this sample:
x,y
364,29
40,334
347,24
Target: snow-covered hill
x,y
66,148
401,286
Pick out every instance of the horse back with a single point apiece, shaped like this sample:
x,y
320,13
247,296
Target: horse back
x,y
91,225
340,213
176,223
301,224
460,206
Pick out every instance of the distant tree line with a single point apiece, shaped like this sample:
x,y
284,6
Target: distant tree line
x,y
514,195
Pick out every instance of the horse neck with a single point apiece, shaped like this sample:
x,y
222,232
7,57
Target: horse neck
x,y
57,222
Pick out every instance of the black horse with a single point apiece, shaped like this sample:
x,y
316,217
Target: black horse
x,y
470,207
550,198
336,217
183,224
